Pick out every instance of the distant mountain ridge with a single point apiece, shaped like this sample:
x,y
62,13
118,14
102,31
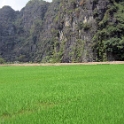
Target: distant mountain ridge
x,y
63,31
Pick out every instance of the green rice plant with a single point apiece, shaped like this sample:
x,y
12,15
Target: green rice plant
x,y
78,94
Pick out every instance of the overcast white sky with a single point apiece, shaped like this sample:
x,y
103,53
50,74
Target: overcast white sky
x,y
15,4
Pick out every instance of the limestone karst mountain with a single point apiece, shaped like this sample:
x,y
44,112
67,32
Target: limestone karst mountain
x,y
63,31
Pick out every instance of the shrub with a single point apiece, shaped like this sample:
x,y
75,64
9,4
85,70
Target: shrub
x,y
2,61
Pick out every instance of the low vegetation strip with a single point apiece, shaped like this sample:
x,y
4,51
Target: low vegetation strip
x,y
75,94
59,64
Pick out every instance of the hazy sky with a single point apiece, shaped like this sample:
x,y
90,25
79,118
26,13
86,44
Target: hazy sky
x,y
15,4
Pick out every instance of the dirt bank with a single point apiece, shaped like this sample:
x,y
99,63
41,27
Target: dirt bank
x,y
59,64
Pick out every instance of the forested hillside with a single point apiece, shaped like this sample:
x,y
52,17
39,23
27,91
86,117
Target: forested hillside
x,y
63,31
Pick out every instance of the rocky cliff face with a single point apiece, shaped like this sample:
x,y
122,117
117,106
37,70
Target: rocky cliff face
x,y
63,31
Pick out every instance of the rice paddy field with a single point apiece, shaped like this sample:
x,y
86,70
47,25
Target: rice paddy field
x,y
75,94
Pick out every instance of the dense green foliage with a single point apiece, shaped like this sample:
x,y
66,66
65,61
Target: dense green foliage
x,y
109,39
62,94
2,61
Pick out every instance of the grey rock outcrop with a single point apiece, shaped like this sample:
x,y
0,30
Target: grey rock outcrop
x,y
61,31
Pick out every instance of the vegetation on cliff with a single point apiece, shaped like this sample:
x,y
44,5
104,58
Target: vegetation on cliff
x,y
63,31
